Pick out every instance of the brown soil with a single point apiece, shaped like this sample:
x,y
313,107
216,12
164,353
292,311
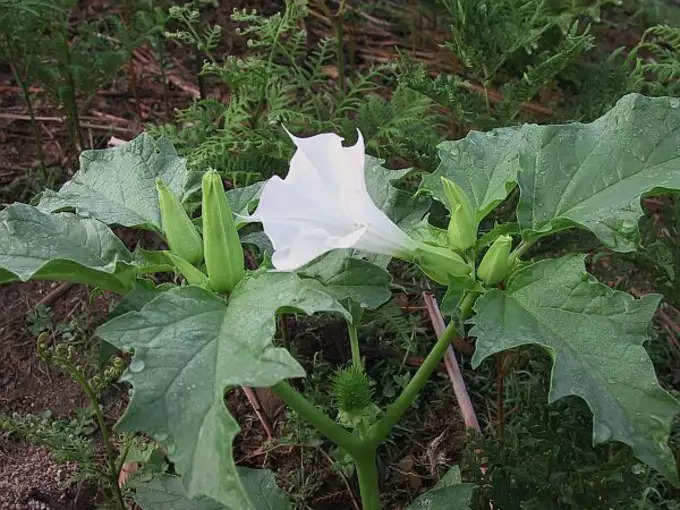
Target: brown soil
x,y
31,479
29,386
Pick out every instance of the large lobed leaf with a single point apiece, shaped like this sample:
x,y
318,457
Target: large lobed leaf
x,y
36,245
485,165
593,175
189,348
345,277
586,175
401,207
167,493
594,336
118,185
450,493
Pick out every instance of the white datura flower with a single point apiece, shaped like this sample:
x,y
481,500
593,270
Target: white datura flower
x,y
323,204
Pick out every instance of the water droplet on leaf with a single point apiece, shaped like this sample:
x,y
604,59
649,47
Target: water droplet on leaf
x,y
136,366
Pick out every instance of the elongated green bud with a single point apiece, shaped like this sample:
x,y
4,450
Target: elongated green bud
x,y
462,226
180,232
440,264
496,263
193,275
221,244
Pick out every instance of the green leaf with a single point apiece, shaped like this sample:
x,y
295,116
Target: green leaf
x,y
117,186
449,493
401,207
485,165
142,292
593,175
152,261
40,246
427,233
345,277
594,336
189,348
167,493
241,199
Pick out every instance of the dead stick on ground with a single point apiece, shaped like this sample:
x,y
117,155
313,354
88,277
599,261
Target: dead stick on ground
x,y
255,403
464,402
344,479
53,295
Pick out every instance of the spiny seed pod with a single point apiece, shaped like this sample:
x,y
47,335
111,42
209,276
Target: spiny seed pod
x,y
180,232
440,264
352,389
221,244
462,226
496,263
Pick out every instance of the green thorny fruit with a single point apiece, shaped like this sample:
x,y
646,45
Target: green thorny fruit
x,y
440,264
352,389
180,232
497,262
221,244
462,226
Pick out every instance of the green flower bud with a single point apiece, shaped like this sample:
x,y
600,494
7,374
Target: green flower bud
x,y
194,276
462,226
440,264
221,244
496,262
180,232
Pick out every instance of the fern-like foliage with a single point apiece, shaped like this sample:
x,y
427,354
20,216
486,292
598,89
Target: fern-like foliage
x,y
66,439
571,46
486,33
661,64
517,46
285,81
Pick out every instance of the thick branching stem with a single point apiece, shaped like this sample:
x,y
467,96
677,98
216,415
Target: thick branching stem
x,y
363,447
380,430
106,436
317,418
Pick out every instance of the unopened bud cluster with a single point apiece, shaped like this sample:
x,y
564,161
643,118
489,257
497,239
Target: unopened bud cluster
x,y
441,264
217,252
65,357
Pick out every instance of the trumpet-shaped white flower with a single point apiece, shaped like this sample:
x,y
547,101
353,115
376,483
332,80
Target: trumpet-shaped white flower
x,y
323,204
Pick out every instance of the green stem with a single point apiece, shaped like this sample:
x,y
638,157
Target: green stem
x,y
523,247
367,473
106,438
380,430
72,101
466,305
354,344
318,419
31,112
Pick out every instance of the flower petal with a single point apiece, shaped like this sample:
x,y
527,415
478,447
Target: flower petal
x,y
309,244
323,204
